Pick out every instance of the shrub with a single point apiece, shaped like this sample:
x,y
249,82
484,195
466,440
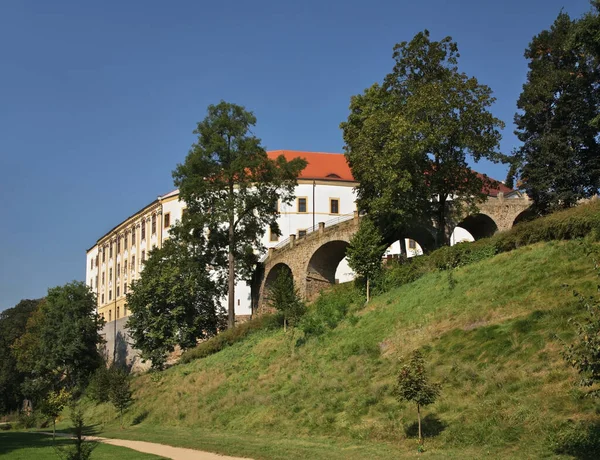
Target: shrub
x,y
230,336
99,386
28,420
329,310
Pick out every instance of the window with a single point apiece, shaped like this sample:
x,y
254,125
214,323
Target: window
x,y
183,212
143,256
118,270
96,261
103,300
118,245
133,236
125,267
132,263
238,302
276,207
167,220
110,273
412,244
301,233
125,242
103,256
92,264
153,224
110,251
124,293
143,230
110,315
118,292
273,236
334,205
91,282
110,295
96,280
302,204
102,278
118,312
124,310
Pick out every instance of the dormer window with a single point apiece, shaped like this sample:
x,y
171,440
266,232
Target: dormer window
x,y
333,176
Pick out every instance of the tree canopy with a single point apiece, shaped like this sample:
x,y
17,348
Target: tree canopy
x,y
231,188
176,300
408,140
558,162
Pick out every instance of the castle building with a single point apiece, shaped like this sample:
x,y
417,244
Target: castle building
x,y
325,191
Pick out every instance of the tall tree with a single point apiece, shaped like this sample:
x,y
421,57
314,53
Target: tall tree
x,y
366,251
60,346
176,301
409,140
558,162
12,325
231,188
283,296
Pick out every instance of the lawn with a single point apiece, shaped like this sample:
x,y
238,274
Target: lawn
x,y
18,445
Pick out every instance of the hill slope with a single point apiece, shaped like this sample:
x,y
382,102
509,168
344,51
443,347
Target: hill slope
x,y
492,333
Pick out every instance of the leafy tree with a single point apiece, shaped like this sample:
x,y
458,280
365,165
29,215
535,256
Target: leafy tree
x,y
408,140
13,322
283,296
558,162
60,346
231,187
99,385
365,251
414,386
175,302
53,404
120,393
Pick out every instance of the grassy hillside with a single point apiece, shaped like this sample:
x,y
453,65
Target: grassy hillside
x,y
492,332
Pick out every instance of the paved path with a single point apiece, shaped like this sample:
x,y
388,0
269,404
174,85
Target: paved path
x,y
175,453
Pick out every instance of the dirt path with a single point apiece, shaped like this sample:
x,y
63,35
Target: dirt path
x,y
174,453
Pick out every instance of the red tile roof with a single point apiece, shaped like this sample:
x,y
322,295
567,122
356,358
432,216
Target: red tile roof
x,y
333,166
327,166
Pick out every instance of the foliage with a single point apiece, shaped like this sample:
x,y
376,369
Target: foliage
x,y
558,162
329,310
365,251
408,140
414,385
120,394
99,385
578,439
12,325
59,348
231,188
28,419
175,302
81,449
53,404
283,296
229,337
584,354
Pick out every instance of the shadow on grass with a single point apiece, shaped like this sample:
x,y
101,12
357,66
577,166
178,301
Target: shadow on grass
x,y
88,430
431,426
581,440
14,441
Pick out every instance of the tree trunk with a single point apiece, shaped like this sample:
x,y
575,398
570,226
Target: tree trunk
x,y
231,268
284,325
441,223
53,428
368,296
419,417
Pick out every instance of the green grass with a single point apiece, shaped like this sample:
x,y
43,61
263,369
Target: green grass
x,y
493,337
27,446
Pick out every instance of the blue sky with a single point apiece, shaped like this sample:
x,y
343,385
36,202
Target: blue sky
x,y
98,100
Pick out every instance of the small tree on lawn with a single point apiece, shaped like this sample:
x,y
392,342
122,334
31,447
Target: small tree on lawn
x,y
284,297
120,391
414,385
365,251
53,404
81,449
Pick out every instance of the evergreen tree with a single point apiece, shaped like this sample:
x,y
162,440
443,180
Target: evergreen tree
x,y
231,189
283,296
120,394
558,162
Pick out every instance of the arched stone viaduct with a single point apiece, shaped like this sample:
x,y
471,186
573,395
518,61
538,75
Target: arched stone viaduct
x,y
313,258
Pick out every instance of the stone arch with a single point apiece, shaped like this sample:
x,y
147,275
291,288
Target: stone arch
x,y
479,225
274,273
523,216
424,236
322,266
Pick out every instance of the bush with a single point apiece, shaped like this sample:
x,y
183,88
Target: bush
x,y
329,310
5,426
99,386
231,336
581,440
28,420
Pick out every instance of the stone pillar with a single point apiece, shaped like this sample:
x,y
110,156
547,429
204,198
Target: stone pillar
x,y
292,240
321,228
